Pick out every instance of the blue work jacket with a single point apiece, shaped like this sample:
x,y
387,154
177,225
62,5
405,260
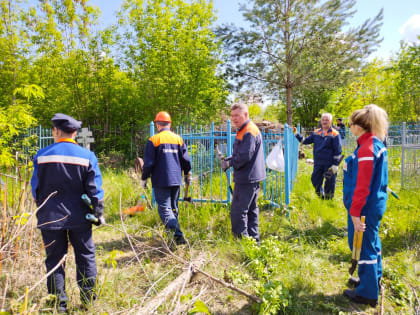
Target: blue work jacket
x,y
366,177
165,157
327,147
71,170
248,155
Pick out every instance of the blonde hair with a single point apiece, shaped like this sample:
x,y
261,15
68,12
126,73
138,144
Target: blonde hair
x,y
371,118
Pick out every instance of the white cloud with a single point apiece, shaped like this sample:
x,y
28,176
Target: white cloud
x,y
411,29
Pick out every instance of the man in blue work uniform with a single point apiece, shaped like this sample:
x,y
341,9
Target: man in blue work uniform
x,y
165,158
70,171
248,165
327,154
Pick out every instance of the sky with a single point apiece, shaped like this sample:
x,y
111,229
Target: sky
x,y
401,18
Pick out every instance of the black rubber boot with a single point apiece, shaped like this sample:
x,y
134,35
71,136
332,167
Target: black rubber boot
x,y
352,296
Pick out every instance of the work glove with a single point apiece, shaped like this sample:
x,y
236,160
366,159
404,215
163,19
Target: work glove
x,y
143,183
100,217
188,178
333,169
226,164
294,130
101,220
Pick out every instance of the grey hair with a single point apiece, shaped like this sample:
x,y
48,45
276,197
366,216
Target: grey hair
x,y
327,115
243,107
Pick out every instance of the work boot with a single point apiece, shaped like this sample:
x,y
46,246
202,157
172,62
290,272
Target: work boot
x,y
352,296
54,302
62,308
180,240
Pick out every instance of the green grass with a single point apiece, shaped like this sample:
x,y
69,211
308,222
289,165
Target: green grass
x,y
301,266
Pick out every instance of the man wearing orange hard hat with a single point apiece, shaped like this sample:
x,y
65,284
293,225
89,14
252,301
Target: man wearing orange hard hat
x,y
165,158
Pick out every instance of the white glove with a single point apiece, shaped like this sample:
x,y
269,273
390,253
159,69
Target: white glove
x,y
143,183
334,169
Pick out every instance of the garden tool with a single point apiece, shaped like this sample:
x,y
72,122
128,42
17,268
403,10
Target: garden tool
x,y
392,193
221,157
186,198
357,248
89,216
138,165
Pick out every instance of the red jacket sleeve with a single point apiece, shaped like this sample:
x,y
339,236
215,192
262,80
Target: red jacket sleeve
x,y
365,159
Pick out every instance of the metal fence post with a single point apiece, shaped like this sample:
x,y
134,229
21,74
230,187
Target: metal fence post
x,y
287,174
39,137
403,145
229,153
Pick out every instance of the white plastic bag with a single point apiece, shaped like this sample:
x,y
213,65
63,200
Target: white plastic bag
x,y
275,160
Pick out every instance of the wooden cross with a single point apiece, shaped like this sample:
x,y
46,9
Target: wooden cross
x,y
84,138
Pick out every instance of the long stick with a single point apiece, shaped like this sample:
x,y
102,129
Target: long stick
x,y
173,286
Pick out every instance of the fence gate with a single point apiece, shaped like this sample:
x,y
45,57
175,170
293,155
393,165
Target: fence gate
x,y
211,184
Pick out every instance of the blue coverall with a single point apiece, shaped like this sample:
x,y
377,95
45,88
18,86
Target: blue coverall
x,y
327,152
70,170
365,194
165,157
248,171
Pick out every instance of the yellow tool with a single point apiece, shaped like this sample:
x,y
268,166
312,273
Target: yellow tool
x,y
357,248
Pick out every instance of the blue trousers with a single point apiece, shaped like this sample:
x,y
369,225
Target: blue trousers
x,y
244,210
317,179
167,200
56,246
370,264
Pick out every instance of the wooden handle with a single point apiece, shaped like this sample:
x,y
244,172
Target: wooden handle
x,y
359,240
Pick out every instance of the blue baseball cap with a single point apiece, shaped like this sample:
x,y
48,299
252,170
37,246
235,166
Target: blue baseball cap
x,y
66,123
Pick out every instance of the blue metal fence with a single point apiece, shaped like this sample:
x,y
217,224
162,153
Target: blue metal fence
x,y
210,184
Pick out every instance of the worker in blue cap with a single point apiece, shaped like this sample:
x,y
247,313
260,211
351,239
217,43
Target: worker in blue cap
x,y
69,170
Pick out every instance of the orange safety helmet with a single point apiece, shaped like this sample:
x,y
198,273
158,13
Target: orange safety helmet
x,y
163,117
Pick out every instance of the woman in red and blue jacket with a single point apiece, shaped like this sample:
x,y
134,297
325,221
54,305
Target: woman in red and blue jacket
x,y
365,194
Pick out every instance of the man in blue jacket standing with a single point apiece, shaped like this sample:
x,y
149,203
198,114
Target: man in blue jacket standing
x,y
327,154
165,158
248,165
70,171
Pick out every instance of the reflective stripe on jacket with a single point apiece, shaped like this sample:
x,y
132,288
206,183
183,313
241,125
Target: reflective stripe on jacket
x,y
71,170
248,155
165,157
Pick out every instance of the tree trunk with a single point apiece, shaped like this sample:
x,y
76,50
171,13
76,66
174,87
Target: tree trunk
x,y
289,105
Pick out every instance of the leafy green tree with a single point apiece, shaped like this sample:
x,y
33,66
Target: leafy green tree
x,y
275,112
172,55
14,123
309,104
14,49
407,88
255,111
296,43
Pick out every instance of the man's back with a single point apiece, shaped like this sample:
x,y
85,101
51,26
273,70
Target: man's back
x,y
70,170
164,159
